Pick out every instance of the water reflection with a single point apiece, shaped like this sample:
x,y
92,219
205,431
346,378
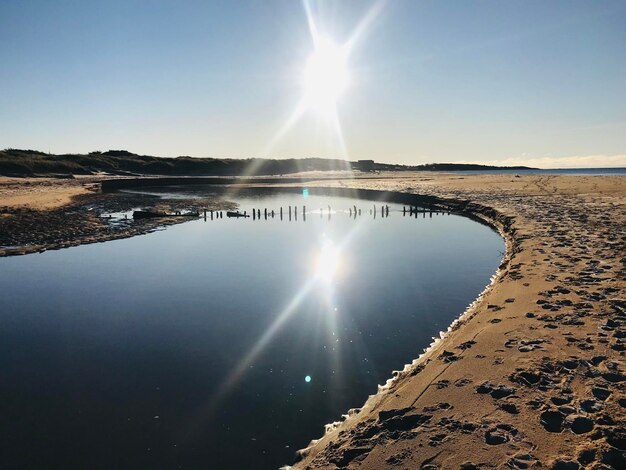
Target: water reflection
x,y
215,326
328,261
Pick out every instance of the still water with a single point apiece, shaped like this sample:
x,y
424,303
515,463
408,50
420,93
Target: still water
x,y
225,343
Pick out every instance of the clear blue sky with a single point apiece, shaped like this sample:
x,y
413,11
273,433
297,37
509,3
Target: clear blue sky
x,y
507,81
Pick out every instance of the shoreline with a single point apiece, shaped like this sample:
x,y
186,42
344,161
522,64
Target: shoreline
x,y
533,373
541,401
73,216
410,367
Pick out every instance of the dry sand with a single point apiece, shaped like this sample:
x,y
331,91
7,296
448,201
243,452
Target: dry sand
x,y
533,375
42,193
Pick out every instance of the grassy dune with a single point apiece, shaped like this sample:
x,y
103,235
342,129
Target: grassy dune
x,y
14,162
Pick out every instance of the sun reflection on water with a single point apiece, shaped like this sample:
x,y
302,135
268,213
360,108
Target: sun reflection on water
x,y
327,262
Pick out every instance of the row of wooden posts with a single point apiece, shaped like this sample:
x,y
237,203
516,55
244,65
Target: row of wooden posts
x,y
218,214
352,211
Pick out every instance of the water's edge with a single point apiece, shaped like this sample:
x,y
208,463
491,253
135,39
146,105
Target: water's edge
x,y
487,215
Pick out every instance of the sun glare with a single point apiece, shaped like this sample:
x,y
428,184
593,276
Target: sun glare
x,y
327,262
325,76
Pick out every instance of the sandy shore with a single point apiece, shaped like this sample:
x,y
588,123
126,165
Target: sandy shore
x,y
532,375
39,214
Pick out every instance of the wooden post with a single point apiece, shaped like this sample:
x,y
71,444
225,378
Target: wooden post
x,y
403,210
281,213
253,214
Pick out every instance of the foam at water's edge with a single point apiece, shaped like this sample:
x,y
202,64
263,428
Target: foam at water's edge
x,y
492,219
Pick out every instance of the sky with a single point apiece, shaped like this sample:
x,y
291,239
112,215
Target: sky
x,y
515,82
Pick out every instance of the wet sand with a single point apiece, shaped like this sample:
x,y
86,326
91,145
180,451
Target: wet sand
x,y
533,374
39,214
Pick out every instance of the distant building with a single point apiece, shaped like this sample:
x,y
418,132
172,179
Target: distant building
x,y
365,165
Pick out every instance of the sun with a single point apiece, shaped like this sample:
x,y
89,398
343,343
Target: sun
x,y
325,76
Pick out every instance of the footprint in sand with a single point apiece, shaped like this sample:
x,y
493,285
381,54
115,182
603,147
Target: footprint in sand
x,y
552,420
522,461
500,434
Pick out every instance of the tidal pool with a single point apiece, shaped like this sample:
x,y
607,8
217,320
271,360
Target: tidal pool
x,y
224,343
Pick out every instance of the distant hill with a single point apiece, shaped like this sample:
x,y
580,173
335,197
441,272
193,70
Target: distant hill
x,y
15,162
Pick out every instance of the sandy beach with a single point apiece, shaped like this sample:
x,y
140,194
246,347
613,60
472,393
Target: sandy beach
x,y
532,374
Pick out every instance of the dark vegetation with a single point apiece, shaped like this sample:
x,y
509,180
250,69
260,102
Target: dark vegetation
x,y
14,162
